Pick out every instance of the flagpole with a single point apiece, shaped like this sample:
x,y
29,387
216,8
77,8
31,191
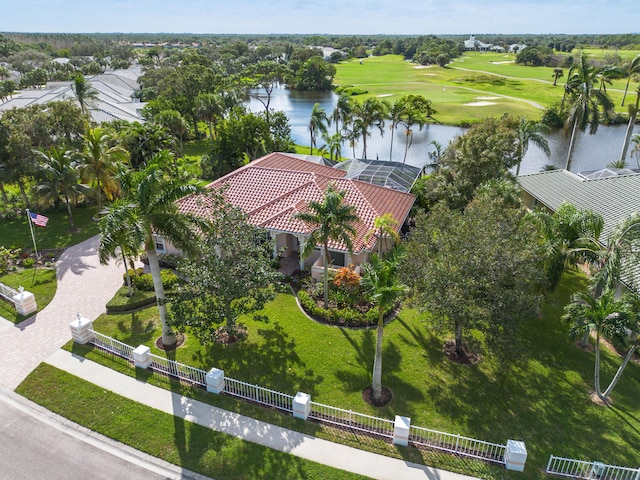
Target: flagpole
x,y
33,237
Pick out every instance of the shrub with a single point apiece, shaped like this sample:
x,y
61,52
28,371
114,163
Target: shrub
x,y
8,259
143,282
122,303
28,262
132,273
343,317
169,279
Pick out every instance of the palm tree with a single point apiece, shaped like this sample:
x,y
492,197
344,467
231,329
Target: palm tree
x,y
380,279
210,108
333,221
633,114
317,123
600,314
58,178
148,210
85,93
98,162
586,102
342,111
370,113
395,113
557,73
334,144
634,67
531,131
118,234
384,226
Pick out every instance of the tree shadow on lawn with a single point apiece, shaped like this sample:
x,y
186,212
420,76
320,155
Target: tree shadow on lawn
x,y
214,453
272,364
358,377
137,332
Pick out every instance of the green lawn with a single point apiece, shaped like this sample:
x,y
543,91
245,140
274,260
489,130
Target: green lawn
x,y
41,282
16,233
526,399
457,89
164,436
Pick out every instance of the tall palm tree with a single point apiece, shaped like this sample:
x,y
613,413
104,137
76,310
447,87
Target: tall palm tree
x,y
395,113
334,222
317,123
210,108
370,113
384,227
117,234
531,131
342,112
634,68
380,279
633,114
557,73
148,209
59,179
586,102
600,314
85,93
98,162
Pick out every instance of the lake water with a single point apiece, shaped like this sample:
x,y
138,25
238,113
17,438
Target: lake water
x,y
591,152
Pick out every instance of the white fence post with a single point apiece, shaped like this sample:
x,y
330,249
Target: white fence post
x,y
515,455
302,405
142,357
215,381
81,330
401,428
25,302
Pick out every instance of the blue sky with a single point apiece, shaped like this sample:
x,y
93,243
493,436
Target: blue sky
x,y
321,16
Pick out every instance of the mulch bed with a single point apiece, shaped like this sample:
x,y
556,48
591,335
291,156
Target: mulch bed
x,y
466,358
385,398
167,348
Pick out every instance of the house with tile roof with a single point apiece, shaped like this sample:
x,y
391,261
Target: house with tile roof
x,y
272,189
612,193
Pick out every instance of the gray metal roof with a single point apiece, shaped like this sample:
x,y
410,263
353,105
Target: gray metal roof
x,y
614,197
114,102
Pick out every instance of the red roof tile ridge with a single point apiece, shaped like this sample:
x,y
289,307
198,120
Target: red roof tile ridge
x,y
288,193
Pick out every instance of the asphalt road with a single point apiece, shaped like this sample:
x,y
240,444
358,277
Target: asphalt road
x,y
35,444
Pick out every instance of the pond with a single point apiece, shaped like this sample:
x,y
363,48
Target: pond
x,y
592,152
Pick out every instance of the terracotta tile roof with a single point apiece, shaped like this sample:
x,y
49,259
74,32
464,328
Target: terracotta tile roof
x,y
275,187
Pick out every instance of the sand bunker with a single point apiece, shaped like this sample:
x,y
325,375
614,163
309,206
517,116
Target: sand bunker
x,y
487,98
423,66
505,61
479,104
385,95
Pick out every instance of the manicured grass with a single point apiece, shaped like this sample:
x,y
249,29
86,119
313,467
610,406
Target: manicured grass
x,y
16,234
41,282
164,436
520,90
527,398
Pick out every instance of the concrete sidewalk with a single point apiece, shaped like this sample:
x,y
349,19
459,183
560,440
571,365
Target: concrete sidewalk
x,y
284,440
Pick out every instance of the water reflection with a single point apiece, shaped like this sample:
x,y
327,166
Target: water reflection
x,y
592,152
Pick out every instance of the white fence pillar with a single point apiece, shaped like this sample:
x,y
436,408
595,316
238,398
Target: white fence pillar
x,y
302,405
215,381
401,428
81,330
142,357
515,455
25,302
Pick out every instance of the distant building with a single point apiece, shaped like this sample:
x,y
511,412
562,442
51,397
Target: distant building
x,y
473,44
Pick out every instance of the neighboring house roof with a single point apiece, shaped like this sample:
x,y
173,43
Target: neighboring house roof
x,y
115,99
613,197
272,189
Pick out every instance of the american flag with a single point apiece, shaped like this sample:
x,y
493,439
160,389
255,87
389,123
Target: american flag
x,y
38,219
